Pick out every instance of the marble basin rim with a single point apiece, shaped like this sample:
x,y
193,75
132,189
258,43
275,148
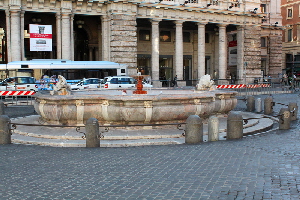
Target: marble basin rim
x,y
111,107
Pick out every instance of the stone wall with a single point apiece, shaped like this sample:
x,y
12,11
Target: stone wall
x,y
252,53
123,44
275,64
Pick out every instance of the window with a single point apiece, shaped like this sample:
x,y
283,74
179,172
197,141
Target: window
x,y
297,58
290,35
144,35
290,13
263,42
165,36
186,37
263,8
289,58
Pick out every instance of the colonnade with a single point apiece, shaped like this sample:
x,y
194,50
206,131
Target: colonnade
x,y
201,50
65,43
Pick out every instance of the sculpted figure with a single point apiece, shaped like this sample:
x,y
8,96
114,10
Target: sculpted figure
x,y
205,83
61,87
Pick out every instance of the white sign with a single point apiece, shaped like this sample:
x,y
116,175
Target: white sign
x,y
40,37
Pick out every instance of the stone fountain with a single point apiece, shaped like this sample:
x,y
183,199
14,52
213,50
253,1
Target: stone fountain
x,y
114,107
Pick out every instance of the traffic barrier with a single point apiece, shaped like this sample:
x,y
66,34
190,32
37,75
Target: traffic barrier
x,y
194,130
250,103
231,86
284,119
268,105
92,133
16,93
234,125
5,133
213,128
243,86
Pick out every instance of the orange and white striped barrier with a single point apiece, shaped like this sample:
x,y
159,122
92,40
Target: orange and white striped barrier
x,y
16,93
231,86
243,86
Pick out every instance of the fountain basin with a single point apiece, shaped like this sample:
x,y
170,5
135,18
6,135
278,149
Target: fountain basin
x,y
111,107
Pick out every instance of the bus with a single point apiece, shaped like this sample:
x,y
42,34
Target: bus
x,y
67,68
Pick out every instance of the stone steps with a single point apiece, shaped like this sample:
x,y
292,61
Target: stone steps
x,y
69,137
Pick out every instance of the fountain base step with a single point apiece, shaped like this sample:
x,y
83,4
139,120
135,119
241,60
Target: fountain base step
x,y
69,137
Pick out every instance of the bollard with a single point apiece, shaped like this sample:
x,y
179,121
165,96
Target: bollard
x,y
293,108
234,126
213,128
2,112
193,130
250,103
5,134
92,133
268,105
284,119
258,105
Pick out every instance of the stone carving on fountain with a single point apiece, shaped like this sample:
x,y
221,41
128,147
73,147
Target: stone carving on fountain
x,y
205,83
61,87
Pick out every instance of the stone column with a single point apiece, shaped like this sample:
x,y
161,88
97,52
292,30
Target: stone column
x,y
72,36
22,36
179,51
222,51
99,50
155,53
8,30
240,54
58,35
201,49
15,40
105,38
298,32
66,50
91,53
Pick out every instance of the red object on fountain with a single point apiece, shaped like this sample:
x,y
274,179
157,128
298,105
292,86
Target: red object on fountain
x,y
139,86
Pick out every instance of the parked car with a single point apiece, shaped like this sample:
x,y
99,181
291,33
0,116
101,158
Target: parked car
x,y
19,83
91,83
115,82
76,84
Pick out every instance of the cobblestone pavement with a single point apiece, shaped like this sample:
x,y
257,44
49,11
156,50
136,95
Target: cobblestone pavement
x,y
265,166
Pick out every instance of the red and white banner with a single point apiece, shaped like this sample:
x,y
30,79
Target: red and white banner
x,y
40,37
16,93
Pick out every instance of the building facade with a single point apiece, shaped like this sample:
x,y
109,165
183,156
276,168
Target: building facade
x,y
291,37
224,38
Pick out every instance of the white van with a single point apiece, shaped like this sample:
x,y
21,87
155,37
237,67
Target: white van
x,y
19,83
115,82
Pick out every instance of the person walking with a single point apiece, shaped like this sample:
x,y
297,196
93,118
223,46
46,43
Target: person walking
x,y
175,82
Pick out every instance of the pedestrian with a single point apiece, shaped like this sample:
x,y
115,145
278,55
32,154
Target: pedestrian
x,y
175,82
164,81
285,79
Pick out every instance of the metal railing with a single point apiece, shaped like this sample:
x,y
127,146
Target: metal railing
x,y
17,100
